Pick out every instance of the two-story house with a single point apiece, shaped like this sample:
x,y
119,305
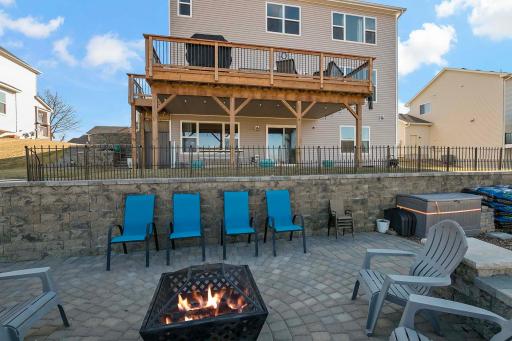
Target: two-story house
x,y
271,74
460,107
22,113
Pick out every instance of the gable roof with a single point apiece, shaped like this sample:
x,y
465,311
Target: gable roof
x,y
446,69
108,130
79,140
413,120
43,103
9,55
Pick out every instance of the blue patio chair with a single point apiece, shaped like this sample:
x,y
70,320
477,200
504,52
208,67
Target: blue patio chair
x,y
236,219
138,225
279,217
186,221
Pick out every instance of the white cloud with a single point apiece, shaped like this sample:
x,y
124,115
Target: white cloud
x,y
29,26
488,18
402,109
112,53
61,50
426,46
6,2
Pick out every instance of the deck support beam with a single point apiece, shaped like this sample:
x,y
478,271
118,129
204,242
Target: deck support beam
x,y
142,123
133,133
232,142
298,142
155,143
359,135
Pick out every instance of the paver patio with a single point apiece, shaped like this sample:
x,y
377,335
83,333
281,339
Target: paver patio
x,y
307,295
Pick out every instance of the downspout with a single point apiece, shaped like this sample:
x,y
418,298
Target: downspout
x,y
504,104
16,112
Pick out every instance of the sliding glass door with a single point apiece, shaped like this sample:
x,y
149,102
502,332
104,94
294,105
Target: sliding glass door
x,y
281,143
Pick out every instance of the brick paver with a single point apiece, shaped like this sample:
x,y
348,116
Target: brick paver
x,y
307,295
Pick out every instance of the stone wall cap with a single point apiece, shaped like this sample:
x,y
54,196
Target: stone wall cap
x,y
4,184
485,256
497,286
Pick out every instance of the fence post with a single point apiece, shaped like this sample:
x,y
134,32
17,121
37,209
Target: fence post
x,y
500,165
29,175
319,154
418,156
191,158
86,162
475,160
448,159
388,158
139,160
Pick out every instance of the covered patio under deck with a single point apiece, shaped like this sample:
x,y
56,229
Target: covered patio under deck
x,y
240,83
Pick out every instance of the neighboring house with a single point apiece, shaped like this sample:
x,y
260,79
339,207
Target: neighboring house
x,y
460,107
104,135
22,113
292,73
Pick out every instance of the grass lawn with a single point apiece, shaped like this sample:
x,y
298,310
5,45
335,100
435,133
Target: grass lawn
x,y
12,156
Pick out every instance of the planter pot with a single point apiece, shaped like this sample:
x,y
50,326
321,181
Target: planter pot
x,y
382,225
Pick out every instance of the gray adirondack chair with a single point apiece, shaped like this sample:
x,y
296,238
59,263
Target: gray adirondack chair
x,y
16,321
445,248
416,303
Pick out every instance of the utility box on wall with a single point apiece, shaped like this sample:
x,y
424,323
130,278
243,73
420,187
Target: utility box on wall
x,y
430,209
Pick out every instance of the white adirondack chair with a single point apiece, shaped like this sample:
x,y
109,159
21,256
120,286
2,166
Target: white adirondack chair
x,y
445,248
417,303
16,322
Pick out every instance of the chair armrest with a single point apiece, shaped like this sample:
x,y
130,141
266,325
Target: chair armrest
x,y
348,212
370,253
421,280
301,218
252,223
418,303
150,229
42,273
271,221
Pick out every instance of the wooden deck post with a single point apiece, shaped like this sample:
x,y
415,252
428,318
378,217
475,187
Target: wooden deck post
x,y
133,132
298,140
232,134
142,128
359,134
155,143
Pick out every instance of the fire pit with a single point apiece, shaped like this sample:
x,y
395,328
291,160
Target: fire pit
x,y
208,302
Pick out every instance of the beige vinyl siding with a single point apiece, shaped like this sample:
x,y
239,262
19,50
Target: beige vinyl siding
x,y
508,106
420,132
467,109
244,21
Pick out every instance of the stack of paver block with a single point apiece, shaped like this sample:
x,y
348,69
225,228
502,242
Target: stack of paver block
x,y
498,198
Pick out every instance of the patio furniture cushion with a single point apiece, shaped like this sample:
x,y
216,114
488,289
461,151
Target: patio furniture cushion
x,y
279,208
185,234
138,214
375,279
187,215
406,334
127,239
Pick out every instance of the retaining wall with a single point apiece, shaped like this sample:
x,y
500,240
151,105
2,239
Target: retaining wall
x,y
71,218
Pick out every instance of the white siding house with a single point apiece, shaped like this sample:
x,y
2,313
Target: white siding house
x,y
22,113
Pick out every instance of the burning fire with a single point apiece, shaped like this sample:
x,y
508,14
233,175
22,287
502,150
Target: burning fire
x,y
197,307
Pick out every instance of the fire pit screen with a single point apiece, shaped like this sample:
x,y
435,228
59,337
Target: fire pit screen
x,y
209,302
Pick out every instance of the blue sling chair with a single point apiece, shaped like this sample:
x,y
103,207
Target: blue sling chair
x,y
279,217
138,225
186,221
236,219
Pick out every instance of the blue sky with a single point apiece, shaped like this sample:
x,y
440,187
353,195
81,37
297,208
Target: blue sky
x,y
85,48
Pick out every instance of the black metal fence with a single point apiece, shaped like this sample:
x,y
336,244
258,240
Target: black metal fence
x,y
172,161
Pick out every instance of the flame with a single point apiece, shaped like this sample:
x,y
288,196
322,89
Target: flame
x,y
196,307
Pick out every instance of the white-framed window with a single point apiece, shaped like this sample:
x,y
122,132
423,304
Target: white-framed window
x,y
348,138
354,28
283,19
3,103
425,108
185,8
363,75
197,136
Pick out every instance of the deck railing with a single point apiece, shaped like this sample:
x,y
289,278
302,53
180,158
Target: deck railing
x,y
116,161
217,57
138,87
